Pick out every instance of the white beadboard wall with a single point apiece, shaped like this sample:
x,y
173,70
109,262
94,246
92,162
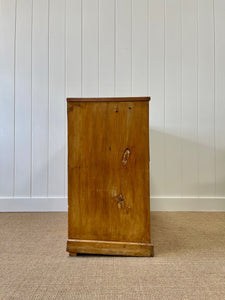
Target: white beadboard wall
x,y
172,50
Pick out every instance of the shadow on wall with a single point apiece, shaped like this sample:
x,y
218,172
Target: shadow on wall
x,y
184,167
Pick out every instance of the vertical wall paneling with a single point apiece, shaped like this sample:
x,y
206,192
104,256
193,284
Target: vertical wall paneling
x,y
123,48
7,54
172,50
23,98
65,103
106,47
90,48
139,47
56,162
173,100
73,48
40,98
206,98
220,96
73,58
157,93
189,99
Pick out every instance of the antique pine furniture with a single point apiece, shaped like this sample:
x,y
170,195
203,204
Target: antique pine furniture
x,y
108,176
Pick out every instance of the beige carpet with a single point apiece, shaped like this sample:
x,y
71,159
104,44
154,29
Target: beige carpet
x,y
189,260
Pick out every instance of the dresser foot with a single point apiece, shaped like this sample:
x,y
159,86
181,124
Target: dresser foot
x,y
72,254
109,248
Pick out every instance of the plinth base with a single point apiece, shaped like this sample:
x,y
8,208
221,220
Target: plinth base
x,y
109,248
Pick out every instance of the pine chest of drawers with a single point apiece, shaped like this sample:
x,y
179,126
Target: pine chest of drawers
x,y
108,176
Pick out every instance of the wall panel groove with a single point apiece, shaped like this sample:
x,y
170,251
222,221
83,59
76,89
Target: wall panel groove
x,y
65,104
115,44
206,107
31,100
172,100
40,97
189,99
14,102
22,99
107,48
7,87
219,18
56,139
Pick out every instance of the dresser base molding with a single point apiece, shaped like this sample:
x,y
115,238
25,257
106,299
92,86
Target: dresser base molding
x,y
109,248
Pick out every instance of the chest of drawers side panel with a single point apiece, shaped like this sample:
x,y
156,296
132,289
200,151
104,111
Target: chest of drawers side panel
x,y
108,171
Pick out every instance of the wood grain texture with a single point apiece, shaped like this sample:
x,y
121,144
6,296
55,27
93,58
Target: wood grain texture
x,y
108,171
109,248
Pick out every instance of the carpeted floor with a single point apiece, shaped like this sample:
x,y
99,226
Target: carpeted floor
x,y
189,260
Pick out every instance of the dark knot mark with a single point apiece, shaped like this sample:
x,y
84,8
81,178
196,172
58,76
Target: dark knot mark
x,y
126,156
120,202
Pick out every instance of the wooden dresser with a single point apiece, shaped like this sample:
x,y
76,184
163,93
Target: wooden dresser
x,y
108,176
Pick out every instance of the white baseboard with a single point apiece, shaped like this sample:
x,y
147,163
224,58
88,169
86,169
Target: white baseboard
x,y
44,204
32,204
187,204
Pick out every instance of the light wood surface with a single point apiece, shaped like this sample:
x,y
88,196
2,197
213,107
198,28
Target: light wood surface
x,y
108,175
109,248
109,99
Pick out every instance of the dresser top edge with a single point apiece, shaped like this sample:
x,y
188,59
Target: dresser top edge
x,y
109,99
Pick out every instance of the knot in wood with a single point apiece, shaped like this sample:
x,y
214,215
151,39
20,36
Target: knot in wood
x,y
120,202
126,155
